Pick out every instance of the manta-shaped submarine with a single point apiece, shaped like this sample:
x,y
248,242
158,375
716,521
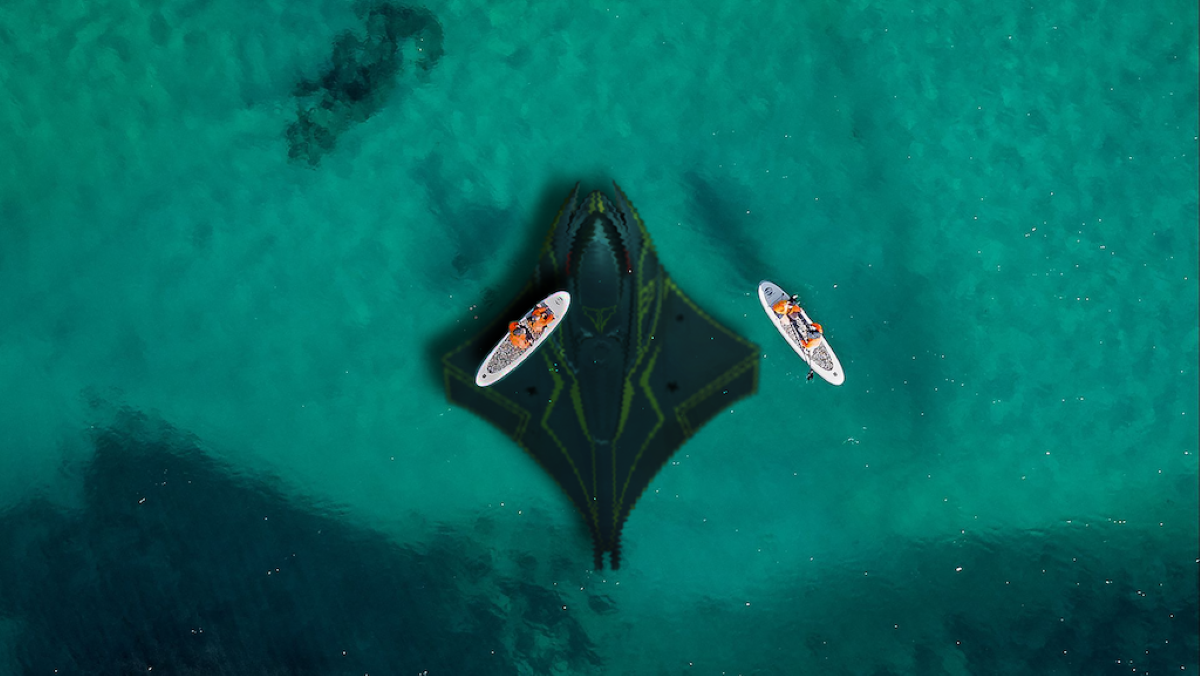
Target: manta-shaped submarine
x,y
635,369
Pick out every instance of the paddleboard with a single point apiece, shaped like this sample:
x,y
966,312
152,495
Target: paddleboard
x,y
820,357
506,356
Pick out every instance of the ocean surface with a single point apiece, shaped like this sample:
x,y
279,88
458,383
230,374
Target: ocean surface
x,y
237,238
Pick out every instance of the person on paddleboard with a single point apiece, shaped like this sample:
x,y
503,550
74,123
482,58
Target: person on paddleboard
x,y
539,319
519,335
522,333
812,331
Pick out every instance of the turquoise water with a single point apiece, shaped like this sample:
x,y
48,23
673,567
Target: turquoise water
x,y
224,443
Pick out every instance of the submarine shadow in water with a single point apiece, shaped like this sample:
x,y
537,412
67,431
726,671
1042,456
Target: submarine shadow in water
x,y
489,304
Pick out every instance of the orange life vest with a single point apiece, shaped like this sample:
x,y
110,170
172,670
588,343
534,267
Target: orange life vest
x,y
518,336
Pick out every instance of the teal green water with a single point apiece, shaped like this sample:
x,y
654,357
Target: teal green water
x,y
993,212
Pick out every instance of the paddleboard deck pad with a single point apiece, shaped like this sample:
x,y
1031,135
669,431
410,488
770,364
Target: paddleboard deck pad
x,y
506,356
795,329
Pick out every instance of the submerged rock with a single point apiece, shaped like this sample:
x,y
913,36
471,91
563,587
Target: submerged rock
x,y
361,77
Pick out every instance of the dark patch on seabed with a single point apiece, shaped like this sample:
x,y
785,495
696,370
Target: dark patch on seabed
x,y
178,564
361,77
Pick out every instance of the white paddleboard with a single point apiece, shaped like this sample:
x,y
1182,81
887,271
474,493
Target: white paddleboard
x,y
506,357
820,356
